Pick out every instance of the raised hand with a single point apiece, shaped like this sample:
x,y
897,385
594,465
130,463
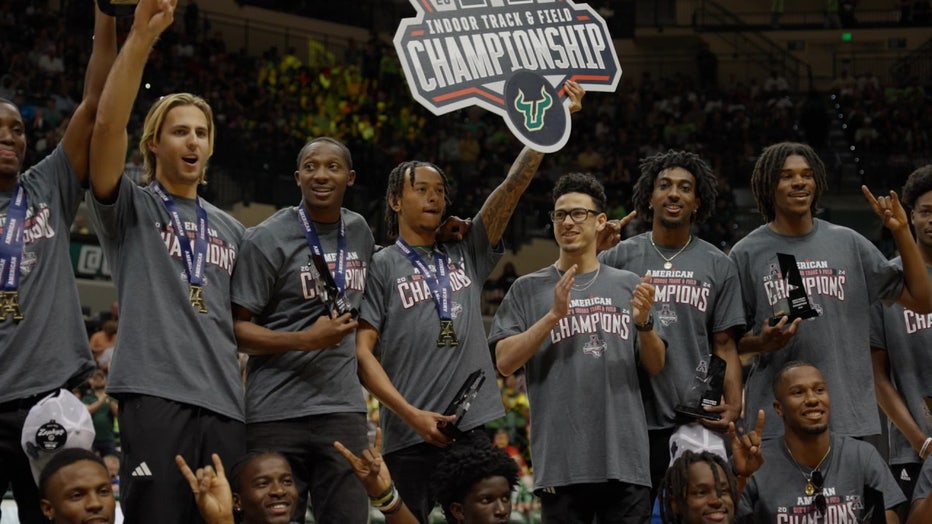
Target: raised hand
x,y
610,235
888,208
576,94
154,15
746,449
368,466
561,293
211,490
643,300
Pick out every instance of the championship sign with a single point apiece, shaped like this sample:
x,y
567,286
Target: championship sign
x,y
510,57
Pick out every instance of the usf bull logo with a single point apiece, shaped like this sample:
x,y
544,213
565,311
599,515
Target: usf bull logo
x,y
533,110
510,57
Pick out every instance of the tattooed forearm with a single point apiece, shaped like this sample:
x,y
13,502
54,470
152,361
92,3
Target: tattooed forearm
x,y
498,208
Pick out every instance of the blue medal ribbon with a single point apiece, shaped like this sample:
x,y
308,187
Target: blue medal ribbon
x,y
193,259
11,255
439,286
313,242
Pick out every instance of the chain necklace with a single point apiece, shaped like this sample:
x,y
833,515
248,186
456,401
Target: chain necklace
x,y
810,487
585,286
668,262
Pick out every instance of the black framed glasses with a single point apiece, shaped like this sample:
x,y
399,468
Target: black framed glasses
x,y
578,214
819,501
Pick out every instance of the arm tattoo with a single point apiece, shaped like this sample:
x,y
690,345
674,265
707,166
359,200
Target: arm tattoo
x,y
500,205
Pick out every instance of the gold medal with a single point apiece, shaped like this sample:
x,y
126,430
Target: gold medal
x,y
810,488
9,304
196,296
447,335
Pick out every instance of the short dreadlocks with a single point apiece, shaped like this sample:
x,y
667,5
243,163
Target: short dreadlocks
x,y
396,187
766,175
652,166
675,485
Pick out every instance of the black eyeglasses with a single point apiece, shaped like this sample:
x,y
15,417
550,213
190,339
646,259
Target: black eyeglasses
x,y
578,214
819,501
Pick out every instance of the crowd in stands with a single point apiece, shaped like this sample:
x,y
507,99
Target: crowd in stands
x,y
267,106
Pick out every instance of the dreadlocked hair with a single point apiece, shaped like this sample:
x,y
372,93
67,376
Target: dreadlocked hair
x,y
766,175
652,166
581,183
918,184
675,485
396,187
465,463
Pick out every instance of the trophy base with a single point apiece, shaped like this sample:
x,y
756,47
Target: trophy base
x,y
804,314
694,412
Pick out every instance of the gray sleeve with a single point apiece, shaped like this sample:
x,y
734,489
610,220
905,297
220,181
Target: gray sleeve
x,y
511,317
107,217
884,279
254,274
924,484
878,476
374,306
729,307
878,336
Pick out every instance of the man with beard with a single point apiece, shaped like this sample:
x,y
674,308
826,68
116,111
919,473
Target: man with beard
x,y
812,474
698,298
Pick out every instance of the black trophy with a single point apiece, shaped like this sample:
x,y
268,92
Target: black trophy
x,y
336,302
461,402
118,8
796,304
706,391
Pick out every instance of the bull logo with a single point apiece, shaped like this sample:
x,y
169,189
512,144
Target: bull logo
x,y
534,110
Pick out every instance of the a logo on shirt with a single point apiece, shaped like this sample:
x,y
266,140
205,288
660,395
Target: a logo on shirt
x,y
916,322
595,347
680,287
219,253
355,273
593,315
818,280
413,289
838,509
667,316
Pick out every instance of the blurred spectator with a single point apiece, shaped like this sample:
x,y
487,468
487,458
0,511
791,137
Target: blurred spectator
x,y
103,412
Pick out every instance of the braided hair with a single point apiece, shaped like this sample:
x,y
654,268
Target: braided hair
x,y
464,464
675,485
766,175
396,188
652,166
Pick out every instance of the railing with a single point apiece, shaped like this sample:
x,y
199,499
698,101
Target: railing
x,y
917,64
711,16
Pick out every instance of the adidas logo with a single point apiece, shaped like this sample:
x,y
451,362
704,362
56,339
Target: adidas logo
x,y
142,470
904,476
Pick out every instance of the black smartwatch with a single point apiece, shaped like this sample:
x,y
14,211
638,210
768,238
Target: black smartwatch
x,y
647,326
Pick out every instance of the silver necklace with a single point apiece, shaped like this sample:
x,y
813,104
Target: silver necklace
x,y
587,284
668,262
810,486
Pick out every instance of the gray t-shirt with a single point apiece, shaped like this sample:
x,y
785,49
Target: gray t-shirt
x,y
924,483
699,296
165,347
275,279
843,274
776,492
907,337
588,421
400,306
49,346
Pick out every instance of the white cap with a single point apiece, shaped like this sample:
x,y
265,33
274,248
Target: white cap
x,y
696,438
57,422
